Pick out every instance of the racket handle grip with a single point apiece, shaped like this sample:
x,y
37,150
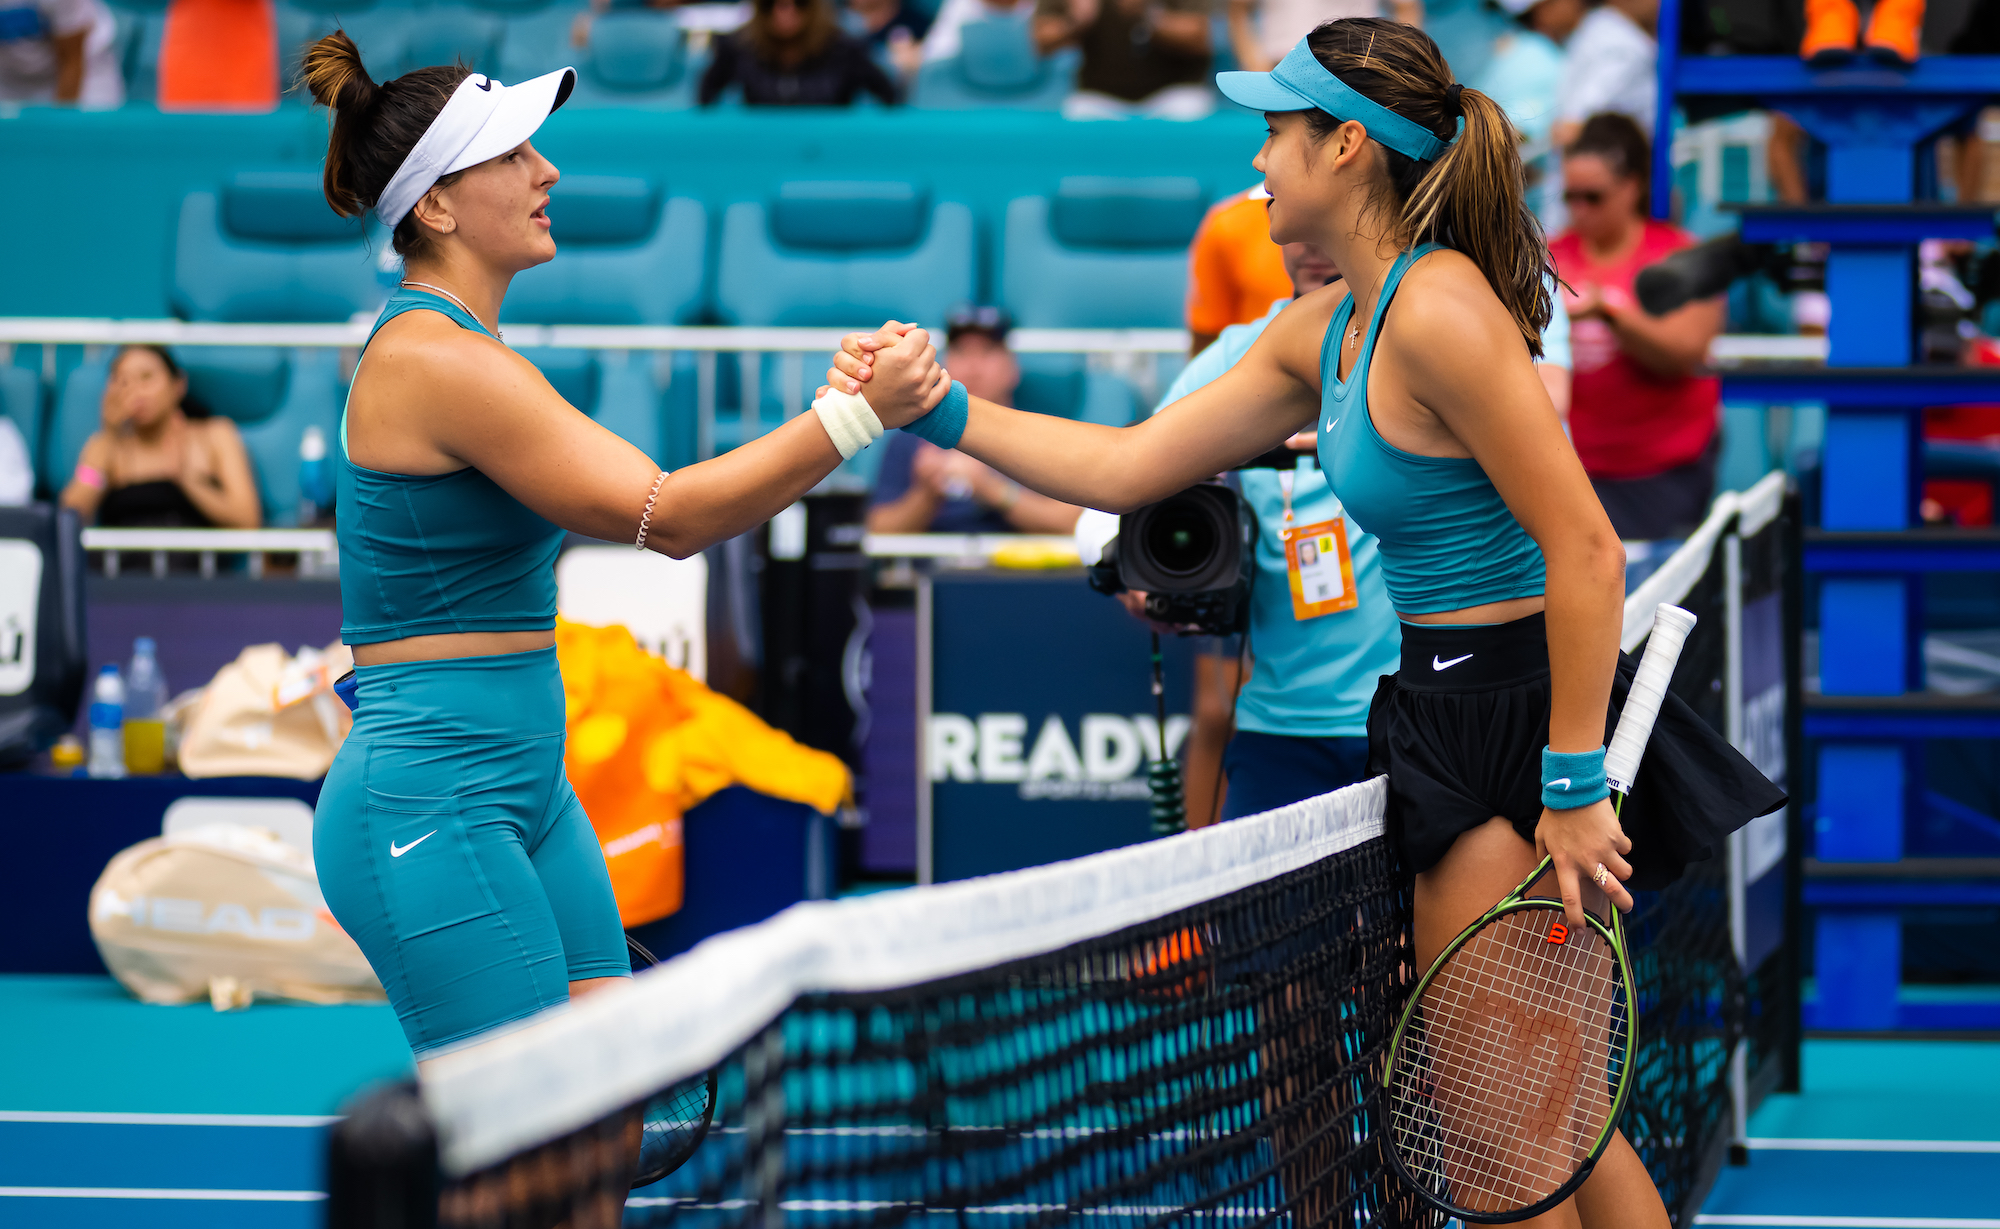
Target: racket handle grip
x,y
1671,626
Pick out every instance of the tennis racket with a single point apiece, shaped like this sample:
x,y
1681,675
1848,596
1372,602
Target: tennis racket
x,y
676,1122
1509,1068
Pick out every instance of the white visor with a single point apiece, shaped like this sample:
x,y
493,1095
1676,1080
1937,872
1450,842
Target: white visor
x,y
484,119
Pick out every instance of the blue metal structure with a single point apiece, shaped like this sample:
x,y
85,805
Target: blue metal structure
x,y
1873,714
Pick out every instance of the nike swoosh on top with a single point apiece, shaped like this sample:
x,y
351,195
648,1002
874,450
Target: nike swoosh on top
x,y
395,852
1562,781
1446,665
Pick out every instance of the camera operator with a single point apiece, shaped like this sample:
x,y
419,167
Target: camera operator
x,y
1300,723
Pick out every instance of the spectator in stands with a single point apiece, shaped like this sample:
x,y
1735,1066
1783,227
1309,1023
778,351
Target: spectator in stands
x,y
1610,64
1235,272
943,41
63,51
160,460
921,488
1139,58
1262,31
893,30
1643,416
793,53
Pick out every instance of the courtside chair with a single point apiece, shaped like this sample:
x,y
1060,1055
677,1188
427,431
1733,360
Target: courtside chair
x,y
847,254
997,66
630,254
1101,253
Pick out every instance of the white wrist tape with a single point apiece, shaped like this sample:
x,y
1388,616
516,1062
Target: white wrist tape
x,y
849,422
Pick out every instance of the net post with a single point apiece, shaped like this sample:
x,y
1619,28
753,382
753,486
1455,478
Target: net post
x,y
1738,845
764,1126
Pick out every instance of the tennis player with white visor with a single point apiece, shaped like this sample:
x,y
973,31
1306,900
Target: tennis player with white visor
x,y
448,840
1440,440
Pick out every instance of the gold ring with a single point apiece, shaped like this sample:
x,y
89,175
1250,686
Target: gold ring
x,y
1602,874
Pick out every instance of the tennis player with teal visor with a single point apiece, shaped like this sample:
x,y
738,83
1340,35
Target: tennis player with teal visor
x,y
448,841
1440,440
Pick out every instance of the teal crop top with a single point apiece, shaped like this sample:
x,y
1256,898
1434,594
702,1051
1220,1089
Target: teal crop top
x,y
424,554
1447,539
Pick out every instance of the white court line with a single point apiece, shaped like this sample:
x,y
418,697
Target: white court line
x,y
1851,1222
95,1118
139,1192
1875,1145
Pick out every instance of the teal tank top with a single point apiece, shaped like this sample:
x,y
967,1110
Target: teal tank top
x,y
1447,539
424,554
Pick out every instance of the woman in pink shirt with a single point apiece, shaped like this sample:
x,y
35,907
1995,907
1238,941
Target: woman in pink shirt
x,y
1643,414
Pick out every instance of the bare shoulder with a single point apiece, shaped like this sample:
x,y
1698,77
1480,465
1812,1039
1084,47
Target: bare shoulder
x,y
219,429
1294,339
1445,295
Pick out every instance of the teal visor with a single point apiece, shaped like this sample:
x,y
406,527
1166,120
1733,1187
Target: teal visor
x,y
1300,83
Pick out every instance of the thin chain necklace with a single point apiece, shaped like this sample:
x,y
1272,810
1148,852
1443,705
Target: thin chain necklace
x,y
1354,331
497,334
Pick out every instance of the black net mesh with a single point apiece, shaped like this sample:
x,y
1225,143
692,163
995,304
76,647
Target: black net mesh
x,y
1216,1065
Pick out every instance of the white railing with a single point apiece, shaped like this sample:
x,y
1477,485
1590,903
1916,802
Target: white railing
x,y
318,555
315,548
1133,354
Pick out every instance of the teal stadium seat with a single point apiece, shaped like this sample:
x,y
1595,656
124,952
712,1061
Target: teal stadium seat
x,y
636,58
842,254
537,40
141,23
452,35
628,254
997,66
1065,386
378,30
267,248
1101,253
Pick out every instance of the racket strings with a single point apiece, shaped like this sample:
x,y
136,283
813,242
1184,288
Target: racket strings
x,y
1504,1086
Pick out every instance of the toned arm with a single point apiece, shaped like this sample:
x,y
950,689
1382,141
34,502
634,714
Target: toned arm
x,y
83,497
432,398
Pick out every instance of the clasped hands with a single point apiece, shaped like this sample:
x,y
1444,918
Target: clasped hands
x,y
899,367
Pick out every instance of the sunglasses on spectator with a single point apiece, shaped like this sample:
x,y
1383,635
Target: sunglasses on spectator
x,y
1583,196
992,320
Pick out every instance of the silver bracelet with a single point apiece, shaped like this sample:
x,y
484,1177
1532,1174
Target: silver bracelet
x,y
646,519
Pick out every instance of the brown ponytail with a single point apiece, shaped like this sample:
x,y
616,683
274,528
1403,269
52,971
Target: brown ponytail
x,y
1473,198
374,127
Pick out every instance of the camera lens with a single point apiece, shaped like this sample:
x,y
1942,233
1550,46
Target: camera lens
x,y
1181,537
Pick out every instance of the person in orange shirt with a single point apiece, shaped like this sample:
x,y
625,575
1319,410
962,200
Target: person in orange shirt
x,y
1235,272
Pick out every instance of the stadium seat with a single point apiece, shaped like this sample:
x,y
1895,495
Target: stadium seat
x,y
635,58
1063,385
377,30
844,253
997,66
1102,253
140,29
267,248
537,40
452,36
628,256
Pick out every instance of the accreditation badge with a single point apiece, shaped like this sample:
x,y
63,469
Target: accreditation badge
x,y
1319,568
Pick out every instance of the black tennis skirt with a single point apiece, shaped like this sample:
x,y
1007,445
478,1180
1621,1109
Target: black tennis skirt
x,y
1460,731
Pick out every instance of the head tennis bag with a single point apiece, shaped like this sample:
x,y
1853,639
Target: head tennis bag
x,y
224,913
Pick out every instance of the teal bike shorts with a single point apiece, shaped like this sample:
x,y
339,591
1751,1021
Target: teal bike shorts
x,y
451,847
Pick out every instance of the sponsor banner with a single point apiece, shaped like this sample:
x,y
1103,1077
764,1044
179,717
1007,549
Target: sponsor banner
x,y
1041,721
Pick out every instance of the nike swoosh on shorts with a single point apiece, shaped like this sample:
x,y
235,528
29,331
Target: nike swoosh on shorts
x,y
394,852
1446,665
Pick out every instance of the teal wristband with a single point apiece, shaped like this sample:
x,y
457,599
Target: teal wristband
x,y
1572,779
945,424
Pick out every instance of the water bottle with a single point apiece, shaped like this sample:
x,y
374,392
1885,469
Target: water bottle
x,y
145,695
315,487
107,724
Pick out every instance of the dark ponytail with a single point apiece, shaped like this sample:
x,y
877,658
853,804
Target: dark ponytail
x,y
1473,198
374,127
